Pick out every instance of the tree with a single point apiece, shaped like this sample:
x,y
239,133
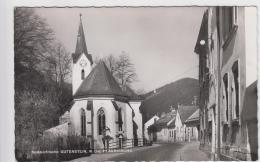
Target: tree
x,y
41,67
57,63
31,37
121,68
125,71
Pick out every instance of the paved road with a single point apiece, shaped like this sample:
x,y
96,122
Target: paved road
x,y
158,152
165,152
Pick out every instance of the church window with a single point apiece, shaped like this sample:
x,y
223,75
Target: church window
x,y
83,122
82,74
101,121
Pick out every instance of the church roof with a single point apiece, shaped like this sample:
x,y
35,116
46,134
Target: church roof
x,y
99,82
131,94
81,46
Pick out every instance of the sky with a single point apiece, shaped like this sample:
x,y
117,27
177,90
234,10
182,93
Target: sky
x,y
159,40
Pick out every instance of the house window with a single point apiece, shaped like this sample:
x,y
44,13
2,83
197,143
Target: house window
x,y
235,91
83,122
225,80
101,121
229,16
82,74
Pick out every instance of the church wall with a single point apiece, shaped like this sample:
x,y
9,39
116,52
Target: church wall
x,y
129,121
75,116
127,118
138,118
110,117
76,72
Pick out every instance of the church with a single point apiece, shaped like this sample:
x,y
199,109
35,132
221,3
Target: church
x,y
100,106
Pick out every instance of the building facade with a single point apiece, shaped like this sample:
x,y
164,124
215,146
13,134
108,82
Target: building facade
x,y
147,134
227,44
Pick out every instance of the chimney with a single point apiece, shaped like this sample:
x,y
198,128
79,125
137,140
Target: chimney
x,y
172,109
195,100
179,105
162,114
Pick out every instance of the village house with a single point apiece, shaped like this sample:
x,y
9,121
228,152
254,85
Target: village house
x,y
192,126
147,134
101,108
163,127
171,127
226,47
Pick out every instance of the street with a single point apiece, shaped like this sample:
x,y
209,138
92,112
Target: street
x,y
160,152
165,152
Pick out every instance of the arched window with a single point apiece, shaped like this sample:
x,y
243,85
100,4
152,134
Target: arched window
x,y
83,122
101,121
82,74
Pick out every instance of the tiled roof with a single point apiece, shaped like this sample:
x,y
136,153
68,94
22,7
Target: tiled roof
x,y
186,111
194,117
81,46
99,82
163,121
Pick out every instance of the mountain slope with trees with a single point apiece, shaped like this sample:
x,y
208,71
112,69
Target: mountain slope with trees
x,y
160,100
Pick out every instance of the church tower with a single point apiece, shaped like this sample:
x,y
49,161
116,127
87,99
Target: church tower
x,y
82,60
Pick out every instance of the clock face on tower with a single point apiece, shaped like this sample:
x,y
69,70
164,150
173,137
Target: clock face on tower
x,y
83,63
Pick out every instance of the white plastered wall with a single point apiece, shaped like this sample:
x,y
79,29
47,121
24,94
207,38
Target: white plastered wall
x,y
76,72
138,118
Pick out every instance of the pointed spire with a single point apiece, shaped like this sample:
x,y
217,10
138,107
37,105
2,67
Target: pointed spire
x,y
81,46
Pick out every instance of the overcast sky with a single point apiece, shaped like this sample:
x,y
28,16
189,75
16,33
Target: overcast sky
x,y
160,41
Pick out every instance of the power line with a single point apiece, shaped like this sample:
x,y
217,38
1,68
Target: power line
x,y
186,71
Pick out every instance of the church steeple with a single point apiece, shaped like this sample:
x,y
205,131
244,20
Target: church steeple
x,y
82,60
81,46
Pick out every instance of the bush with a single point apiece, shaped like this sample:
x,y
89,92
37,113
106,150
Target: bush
x,y
62,148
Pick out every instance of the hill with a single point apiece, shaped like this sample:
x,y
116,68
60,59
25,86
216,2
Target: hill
x,y
179,92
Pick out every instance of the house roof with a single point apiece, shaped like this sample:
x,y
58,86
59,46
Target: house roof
x,y
194,117
163,121
99,82
249,111
186,111
203,35
81,47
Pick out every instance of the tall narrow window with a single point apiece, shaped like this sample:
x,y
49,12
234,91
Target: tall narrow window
x,y
225,80
83,122
82,74
120,121
229,20
236,90
101,121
